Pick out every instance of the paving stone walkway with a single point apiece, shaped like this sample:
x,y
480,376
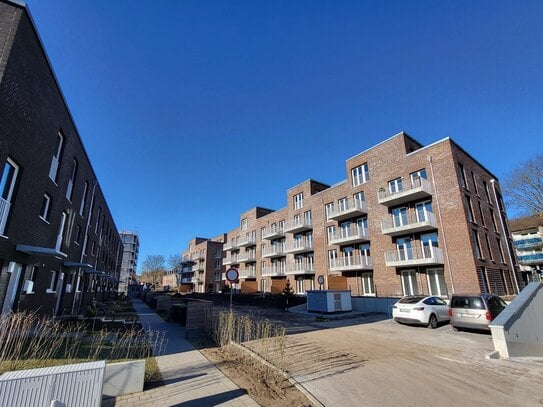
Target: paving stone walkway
x,y
190,380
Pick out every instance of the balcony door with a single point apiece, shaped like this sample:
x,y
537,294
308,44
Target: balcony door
x,y
395,186
409,282
348,256
7,186
405,249
429,244
345,229
423,208
399,216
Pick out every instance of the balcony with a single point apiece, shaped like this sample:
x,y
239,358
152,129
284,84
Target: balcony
x,y
247,273
535,258
247,241
198,267
348,209
409,224
186,280
350,263
273,233
429,256
223,276
420,188
197,256
230,260
273,271
229,246
273,251
197,280
246,257
186,269
4,211
351,235
299,247
523,244
298,226
300,268
186,260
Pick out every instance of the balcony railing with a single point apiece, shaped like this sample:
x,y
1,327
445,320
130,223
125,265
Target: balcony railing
x,y
186,280
186,260
531,258
4,211
298,225
231,245
299,246
247,273
353,234
273,251
420,188
196,280
230,260
197,256
414,256
273,233
409,224
246,257
273,271
348,209
525,243
349,263
300,268
197,267
247,241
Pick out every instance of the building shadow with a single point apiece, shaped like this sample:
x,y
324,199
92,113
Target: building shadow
x,y
213,400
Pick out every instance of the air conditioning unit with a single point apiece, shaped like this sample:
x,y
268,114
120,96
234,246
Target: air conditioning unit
x,y
28,286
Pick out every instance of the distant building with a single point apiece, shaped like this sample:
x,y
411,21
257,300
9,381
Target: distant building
x,y
169,280
59,246
527,236
408,219
202,265
129,264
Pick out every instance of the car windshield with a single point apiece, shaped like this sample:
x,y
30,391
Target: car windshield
x,y
411,299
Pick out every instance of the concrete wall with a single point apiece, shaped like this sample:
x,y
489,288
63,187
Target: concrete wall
x,y
374,304
124,378
518,330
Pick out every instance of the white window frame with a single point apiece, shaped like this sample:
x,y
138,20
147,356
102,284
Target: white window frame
x,y
360,174
52,283
330,232
410,284
7,192
396,185
368,285
244,224
71,181
329,209
426,208
299,201
417,175
84,199
45,211
55,160
61,231
433,274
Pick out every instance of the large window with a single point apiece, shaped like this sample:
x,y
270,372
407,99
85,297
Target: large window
x,y
405,250
331,231
476,244
244,224
329,210
471,218
399,215
52,282
71,181
416,176
360,174
395,186
55,161
436,282
7,187
409,283
45,207
299,201
61,231
424,209
359,199
462,176
429,244
368,287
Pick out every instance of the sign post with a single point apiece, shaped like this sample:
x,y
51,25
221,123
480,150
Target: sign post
x,y
320,280
232,275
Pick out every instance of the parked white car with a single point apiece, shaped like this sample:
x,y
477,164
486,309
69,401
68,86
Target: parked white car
x,y
418,309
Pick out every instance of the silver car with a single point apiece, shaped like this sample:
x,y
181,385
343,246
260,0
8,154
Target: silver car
x,y
474,311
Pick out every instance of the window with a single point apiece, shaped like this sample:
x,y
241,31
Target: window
x,y
399,216
359,200
7,187
45,208
471,218
71,181
493,220
409,283
488,247
395,186
429,244
77,234
500,250
332,256
368,287
360,174
476,244
424,211
487,192
462,176
244,224
262,233
331,231
416,176
93,248
436,282
55,161
52,282
307,218
474,183
61,231
28,288
405,250
481,213
300,289
342,204
281,225
299,201
98,220
329,210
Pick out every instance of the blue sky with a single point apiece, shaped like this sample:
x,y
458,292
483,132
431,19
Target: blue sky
x,y
195,111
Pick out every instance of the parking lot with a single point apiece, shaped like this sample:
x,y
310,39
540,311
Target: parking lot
x,y
375,361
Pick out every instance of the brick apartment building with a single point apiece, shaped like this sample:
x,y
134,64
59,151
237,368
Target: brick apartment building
x,y
129,264
407,219
202,265
527,234
59,246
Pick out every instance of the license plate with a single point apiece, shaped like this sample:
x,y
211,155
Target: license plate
x,y
404,310
467,315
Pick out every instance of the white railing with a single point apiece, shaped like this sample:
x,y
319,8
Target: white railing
x,y
299,246
348,207
230,260
231,245
273,271
272,233
247,241
413,256
351,263
196,280
417,185
298,224
247,256
300,268
409,221
247,273
353,232
4,211
270,251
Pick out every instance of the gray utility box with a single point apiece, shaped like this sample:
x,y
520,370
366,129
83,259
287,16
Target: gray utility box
x,y
329,301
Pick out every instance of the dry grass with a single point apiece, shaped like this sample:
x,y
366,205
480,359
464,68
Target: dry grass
x,y
29,341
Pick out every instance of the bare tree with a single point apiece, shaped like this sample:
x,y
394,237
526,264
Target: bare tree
x,y
153,269
524,187
174,261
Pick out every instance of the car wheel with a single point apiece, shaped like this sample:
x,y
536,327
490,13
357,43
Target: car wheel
x,y
432,323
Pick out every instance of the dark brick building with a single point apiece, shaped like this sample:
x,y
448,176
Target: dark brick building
x,y
59,246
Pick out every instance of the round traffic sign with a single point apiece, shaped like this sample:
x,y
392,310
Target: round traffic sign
x,y
232,275
320,279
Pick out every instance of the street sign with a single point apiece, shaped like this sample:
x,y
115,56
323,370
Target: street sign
x,y
232,275
320,279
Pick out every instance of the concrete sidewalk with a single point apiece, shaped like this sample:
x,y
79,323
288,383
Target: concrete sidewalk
x,y
190,380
